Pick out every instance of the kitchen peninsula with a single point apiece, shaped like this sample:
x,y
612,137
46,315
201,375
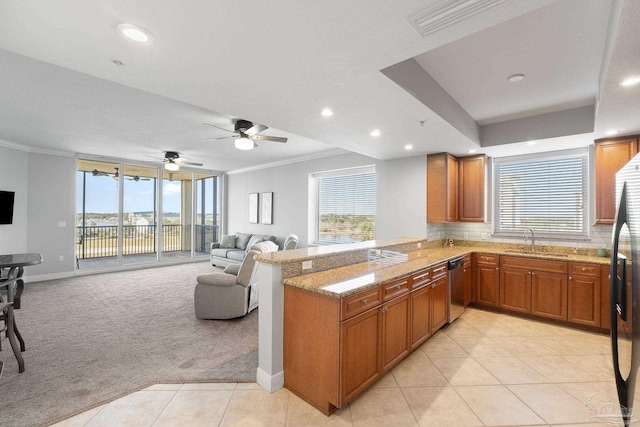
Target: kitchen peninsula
x,y
334,319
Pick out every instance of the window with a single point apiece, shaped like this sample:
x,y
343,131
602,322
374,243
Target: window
x,y
547,193
345,205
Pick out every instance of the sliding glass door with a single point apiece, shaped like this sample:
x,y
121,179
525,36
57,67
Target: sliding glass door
x,y
131,214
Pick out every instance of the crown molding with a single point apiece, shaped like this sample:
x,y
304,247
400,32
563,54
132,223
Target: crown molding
x,y
36,150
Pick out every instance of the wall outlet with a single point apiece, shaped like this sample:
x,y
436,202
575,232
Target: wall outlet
x,y
60,258
419,244
466,235
306,265
62,223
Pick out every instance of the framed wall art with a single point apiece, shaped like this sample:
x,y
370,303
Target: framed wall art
x,y
253,208
267,208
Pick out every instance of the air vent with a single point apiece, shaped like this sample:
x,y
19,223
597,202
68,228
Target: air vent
x,y
448,12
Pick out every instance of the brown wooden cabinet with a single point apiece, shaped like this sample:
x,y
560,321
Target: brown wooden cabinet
x,y
487,286
549,295
455,188
442,188
471,188
420,307
467,270
583,304
439,304
360,345
515,289
610,155
394,331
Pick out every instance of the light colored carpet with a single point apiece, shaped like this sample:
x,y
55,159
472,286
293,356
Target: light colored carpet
x,y
91,339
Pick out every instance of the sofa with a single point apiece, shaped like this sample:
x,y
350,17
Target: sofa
x,y
233,248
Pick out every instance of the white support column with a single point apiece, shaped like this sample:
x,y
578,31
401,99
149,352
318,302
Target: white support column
x,y
270,373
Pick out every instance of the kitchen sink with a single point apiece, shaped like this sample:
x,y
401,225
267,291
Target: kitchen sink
x,y
549,254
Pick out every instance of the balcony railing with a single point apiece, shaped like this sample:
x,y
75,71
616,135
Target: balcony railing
x,y
97,241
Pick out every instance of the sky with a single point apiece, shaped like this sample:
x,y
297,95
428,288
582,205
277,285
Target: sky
x,y
102,195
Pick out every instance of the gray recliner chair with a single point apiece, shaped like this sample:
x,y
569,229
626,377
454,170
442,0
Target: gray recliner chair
x,y
232,293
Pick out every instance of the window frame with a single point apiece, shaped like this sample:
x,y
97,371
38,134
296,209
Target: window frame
x,y
583,234
314,201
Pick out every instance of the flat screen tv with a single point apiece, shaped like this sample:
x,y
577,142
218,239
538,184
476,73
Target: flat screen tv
x,y
6,206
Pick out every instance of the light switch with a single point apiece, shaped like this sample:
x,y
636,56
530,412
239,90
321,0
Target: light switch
x,y
62,223
306,265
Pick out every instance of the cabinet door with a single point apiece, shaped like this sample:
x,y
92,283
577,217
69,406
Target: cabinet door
x,y
467,284
395,331
487,285
549,295
452,189
610,156
438,303
359,353
471,188
420,315
584,300
515,289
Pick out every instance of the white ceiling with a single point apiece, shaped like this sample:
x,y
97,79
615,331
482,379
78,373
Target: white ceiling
x,y
214,61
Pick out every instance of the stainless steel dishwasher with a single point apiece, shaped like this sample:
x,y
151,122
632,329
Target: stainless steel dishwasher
x,y
455,290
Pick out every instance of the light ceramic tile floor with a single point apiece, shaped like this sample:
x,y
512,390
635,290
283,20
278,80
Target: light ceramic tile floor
x,y
486,369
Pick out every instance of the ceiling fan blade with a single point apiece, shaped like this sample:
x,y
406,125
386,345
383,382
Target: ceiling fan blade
x,y
184,162
255,129
218,127
223,137
269,138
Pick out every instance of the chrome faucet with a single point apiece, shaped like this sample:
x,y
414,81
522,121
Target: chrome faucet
x,y
533,239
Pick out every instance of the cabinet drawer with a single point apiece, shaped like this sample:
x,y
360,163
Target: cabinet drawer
x,y
550,265
421,278
438,270
362,301
487,259
395,288
584,269
467,261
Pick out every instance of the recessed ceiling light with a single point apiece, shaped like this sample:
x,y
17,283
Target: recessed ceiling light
x,y
631,81
515,78
612,132
134,33
375,132
471,151
531,143
327,112
408,147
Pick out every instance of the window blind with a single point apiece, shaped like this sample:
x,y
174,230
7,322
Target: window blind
x,y
346,206
548,194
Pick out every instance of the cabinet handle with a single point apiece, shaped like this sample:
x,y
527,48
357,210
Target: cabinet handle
x,y
533,273
398,287
365,301
384,309
584,269
570,278
497,268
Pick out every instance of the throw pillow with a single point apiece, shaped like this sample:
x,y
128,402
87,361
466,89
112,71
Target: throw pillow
x,y
242,239
228,242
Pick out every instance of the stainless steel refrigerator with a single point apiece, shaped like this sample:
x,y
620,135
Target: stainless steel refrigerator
x,y
625,291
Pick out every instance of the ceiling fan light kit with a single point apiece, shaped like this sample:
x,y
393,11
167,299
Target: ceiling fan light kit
x,y
245,143
172,166
245,134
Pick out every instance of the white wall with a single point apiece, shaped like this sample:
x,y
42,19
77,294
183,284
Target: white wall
x,y
401,196
52,189
14,169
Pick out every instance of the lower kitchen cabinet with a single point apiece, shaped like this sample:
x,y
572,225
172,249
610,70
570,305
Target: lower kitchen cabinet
x,y
438,303
549,295
487,284
515,289
394,331
584,294
420,315
467,271
360,353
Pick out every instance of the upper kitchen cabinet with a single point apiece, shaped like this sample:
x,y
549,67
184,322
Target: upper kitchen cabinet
x,y
455,188
442,188
471,188
610,155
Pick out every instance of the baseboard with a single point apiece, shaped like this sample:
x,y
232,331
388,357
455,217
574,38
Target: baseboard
x,y
268,382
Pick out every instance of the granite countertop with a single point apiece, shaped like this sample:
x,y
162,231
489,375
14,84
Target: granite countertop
x,y
343,281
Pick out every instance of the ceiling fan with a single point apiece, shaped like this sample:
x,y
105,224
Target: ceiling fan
x,y
172,161
246,133
115,176
136,178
